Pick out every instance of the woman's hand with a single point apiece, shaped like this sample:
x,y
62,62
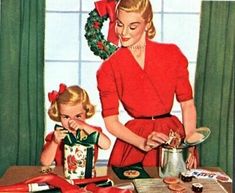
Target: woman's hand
x,y
59,134
154,140
191,161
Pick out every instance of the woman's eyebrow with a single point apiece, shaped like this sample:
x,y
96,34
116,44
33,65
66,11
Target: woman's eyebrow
x,y
119,20
135,22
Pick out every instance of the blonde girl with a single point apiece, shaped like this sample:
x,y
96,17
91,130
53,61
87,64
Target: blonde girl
x,y
71,107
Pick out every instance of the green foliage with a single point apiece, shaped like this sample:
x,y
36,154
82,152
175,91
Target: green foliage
x,y
95,39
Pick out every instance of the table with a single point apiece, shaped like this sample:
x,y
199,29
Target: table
x,y
15,174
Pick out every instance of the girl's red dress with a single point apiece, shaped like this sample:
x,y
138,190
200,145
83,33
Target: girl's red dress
x,y
143,93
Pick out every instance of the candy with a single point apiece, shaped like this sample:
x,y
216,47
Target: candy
x,y
186,177
197,187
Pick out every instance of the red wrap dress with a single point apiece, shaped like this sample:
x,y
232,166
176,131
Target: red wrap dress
x,y
144,93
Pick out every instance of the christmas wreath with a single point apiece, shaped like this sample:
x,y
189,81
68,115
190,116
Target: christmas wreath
x,y
95,38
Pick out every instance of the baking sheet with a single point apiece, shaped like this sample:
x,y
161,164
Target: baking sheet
x,y
156,185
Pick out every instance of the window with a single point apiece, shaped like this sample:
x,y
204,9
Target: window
x,y
68,58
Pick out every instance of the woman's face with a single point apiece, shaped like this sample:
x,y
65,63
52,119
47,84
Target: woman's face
x,y
71,112
130,28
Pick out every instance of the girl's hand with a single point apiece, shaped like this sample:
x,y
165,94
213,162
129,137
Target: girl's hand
x,y
191,161
154,140
59,134
76,124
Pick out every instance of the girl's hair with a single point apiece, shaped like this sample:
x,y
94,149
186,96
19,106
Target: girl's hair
x,y
71,96
140,6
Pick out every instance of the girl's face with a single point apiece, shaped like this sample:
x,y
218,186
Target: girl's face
x,y
130,28
71,112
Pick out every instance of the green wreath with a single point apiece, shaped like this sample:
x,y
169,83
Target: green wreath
x,y
95,39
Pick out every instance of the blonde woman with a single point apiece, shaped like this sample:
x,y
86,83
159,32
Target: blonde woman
x,y
144,76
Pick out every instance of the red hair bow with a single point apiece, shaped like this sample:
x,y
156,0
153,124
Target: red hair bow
x,y
53,95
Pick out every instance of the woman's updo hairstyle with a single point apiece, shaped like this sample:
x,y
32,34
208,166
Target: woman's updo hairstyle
x,y
143,7
71,96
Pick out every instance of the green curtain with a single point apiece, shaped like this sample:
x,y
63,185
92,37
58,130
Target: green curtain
x,y
214,82
21,82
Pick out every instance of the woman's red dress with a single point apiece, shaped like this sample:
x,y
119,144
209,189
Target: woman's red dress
x,y
143,93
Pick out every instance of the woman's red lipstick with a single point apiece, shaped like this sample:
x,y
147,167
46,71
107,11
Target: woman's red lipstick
x,y
125,39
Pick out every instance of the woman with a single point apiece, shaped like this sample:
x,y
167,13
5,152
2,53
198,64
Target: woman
x,y
144,76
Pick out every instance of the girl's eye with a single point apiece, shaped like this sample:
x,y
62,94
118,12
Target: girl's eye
x,y
78,116
65,116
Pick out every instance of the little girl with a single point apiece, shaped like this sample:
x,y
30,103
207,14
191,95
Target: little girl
x,y
70,106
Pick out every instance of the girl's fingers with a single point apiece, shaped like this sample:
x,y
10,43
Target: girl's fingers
x,y
74,125
59,128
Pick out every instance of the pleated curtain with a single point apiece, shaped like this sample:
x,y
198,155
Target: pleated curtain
x,y
214,83
22,26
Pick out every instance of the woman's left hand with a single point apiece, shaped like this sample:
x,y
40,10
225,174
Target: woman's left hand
x,y
192,160
154,140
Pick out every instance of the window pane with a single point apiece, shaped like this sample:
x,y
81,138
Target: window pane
x,y
63,5
156,5
62,36
157,21
88,5
60,72
88,81
192,71
183,32
182,6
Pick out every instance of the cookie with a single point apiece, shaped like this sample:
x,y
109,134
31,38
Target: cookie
x,y
131,173
171,180
176,187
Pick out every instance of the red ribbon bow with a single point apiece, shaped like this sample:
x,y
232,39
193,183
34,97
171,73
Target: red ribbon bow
x,y
59,182
53,95
107,7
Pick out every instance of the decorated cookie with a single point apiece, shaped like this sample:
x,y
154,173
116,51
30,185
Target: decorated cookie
x,y
131,173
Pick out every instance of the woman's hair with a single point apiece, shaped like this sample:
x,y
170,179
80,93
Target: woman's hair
x,y
140,6
71,96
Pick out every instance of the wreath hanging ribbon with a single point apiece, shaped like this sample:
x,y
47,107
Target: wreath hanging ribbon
x,y
101,47
107,7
